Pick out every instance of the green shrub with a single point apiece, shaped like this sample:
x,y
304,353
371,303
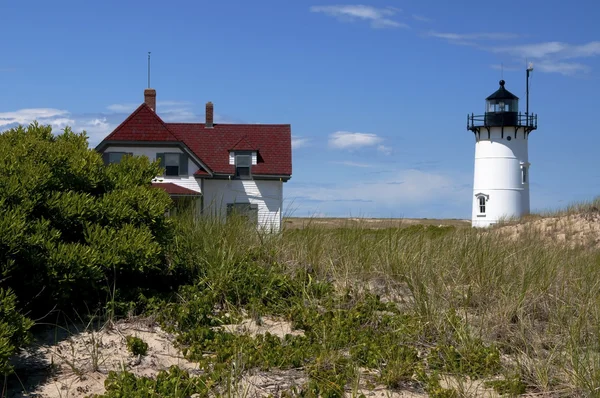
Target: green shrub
x,y
475,360
137,346
512,386
13,329
174,383
75,233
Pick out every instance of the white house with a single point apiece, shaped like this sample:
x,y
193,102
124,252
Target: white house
x,y
501,177
221,167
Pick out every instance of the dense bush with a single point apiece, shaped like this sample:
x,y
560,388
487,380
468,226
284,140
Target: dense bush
x,y
74,233
13,329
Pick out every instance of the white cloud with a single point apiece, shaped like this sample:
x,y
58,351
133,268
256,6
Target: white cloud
x,y
122,108
26,116
404,190
169,111
61,123
348,140
99,125
473,36
552,49
299,142
550,56
379,17
96,127
353,164
554,56
386,150
565,68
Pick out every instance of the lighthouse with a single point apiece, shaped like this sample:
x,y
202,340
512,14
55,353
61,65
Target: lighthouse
x,y
501,176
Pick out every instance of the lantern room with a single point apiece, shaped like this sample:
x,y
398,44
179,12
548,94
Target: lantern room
x,y
501,108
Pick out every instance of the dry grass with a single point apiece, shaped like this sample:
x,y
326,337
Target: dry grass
x,y
369,223
537,297
519,287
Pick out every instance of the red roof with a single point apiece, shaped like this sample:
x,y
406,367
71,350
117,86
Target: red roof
x,y
242,145
272,142
174,189
142,125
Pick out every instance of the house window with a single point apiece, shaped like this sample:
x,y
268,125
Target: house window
x,y
243,163
175,164
247,211
114,157
482,205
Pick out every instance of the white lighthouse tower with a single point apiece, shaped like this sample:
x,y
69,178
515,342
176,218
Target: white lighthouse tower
x,y
501,180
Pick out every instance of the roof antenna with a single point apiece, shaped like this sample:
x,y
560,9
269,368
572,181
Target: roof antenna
x,y
148,69
501,70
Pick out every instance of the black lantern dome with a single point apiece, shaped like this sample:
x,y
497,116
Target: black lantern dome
x,y
502,110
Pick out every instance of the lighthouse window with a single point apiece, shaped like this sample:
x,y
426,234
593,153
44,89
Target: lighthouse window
x,y
482,204
524,174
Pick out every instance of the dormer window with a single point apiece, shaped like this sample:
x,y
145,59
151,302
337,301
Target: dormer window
x,y
243,164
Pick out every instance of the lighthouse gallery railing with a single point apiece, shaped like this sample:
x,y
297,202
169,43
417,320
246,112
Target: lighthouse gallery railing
x,y
498,119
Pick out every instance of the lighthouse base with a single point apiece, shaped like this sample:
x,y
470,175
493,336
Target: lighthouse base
x,y
493,206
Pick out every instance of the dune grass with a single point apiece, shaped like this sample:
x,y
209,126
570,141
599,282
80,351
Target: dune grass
x,y
572,208
418,306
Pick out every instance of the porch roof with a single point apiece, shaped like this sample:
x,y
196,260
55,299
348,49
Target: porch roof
x,y
175,190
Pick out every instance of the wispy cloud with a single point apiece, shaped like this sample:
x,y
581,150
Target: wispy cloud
x,y
553,49
97,126
554,56
299,142
564,68
169,111
473,36
353,164
378,17
386,150
421,18
348,140
550,56
404,191
120,108
26,116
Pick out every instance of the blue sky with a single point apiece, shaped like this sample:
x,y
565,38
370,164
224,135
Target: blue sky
x,y
376,92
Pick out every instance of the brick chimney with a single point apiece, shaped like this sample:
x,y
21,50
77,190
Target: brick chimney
x,y
150,98
209,115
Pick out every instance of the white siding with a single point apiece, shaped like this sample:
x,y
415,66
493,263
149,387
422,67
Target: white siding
x,y
188,181
266,194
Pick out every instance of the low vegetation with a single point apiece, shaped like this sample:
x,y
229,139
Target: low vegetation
x,y
444,311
